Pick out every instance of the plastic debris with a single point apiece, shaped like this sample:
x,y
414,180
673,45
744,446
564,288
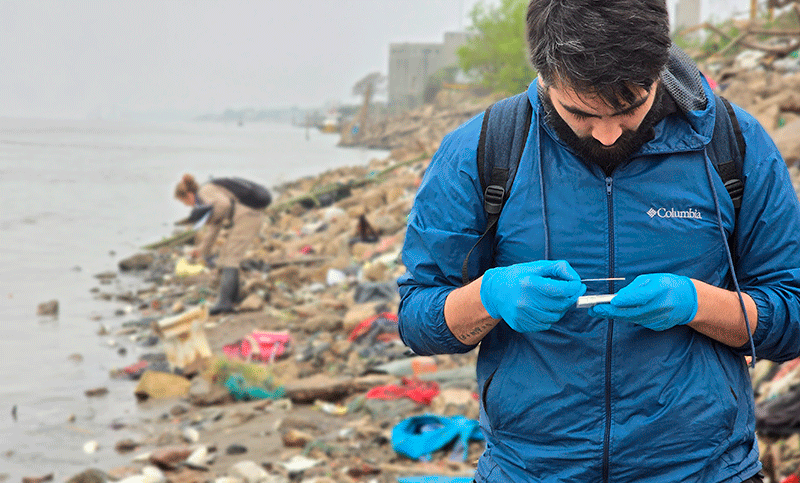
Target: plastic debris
x,y
241,391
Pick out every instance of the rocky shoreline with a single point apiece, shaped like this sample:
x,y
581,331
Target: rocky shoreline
x,y
329,382
323,275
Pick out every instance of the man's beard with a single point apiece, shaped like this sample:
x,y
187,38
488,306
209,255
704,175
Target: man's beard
x,y
590,149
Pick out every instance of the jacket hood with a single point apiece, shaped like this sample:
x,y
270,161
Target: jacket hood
x,y
691,92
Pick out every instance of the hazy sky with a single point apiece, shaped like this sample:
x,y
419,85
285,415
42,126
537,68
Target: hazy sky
x,y
75,59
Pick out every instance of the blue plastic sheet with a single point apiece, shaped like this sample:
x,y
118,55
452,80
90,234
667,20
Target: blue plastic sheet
x,y
435,479
419,436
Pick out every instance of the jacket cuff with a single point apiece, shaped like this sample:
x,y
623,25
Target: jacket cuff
x,y
765,318
440,332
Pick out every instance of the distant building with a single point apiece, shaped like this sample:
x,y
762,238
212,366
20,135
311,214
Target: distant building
x,y
411,64
687,14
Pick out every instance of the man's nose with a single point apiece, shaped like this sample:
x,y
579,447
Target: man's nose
x,y
607,132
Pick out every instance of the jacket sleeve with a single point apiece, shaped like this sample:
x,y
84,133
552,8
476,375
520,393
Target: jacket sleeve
x,y
768,246
221,205
445,222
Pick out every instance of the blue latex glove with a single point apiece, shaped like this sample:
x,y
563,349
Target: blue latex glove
x,y
657,301
531,296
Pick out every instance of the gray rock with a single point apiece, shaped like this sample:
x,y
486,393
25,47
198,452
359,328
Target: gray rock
x,y
250,472
141,261
48,308
89,476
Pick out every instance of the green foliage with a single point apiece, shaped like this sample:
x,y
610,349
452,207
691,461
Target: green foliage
x,y
701,44
497,53
788,19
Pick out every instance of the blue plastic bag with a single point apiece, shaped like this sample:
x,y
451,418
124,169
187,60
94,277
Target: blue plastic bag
x,y
435,479
419,436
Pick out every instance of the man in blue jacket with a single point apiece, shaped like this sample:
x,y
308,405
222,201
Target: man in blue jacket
x,y
614,182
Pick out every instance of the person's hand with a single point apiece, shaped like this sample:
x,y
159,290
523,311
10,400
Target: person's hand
x,y
657,301
531,296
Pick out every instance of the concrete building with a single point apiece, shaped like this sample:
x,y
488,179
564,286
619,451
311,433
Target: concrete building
x,y
411,64
687,14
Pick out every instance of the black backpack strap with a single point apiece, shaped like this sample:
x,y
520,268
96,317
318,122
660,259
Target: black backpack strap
x,y
504,133
727,151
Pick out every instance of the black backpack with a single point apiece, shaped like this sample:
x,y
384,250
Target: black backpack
x,y
248,193
505,130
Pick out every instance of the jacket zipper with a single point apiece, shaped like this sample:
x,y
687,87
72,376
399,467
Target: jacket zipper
x,y
607,436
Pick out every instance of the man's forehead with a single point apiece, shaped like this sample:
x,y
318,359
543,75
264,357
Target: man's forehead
x,y
592,100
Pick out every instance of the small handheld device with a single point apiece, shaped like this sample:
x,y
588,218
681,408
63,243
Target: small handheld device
x,y
586,301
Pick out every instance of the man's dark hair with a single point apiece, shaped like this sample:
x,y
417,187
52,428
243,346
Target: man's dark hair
x,y
599,47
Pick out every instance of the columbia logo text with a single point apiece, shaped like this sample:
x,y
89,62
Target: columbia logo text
x,y
673,213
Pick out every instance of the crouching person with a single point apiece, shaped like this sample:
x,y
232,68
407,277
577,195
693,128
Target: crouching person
x,y
225,202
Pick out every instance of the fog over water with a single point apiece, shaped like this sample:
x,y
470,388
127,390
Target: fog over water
x,y
92,58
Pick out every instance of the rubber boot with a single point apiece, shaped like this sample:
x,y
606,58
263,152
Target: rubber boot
x,y
228,291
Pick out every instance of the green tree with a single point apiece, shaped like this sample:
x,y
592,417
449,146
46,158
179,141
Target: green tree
x,y
497,53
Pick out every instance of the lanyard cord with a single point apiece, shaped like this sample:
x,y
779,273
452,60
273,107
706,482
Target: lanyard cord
x,y
730,263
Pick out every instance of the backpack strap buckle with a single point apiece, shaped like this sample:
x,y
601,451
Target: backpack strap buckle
x,y
735,188
493,199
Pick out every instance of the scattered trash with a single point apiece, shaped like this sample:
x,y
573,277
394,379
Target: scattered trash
x,y
382,326
91,447
159,385
330,408
421,392
365,233
151,362
261,346
335,277
299,463
435,479
242,391
184,268
423,365
183,336
419,436
376,292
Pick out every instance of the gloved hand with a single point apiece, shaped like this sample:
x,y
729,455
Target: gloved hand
x,y
531,296
657,301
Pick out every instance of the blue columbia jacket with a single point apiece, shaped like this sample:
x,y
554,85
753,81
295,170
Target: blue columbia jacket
x,y
591,400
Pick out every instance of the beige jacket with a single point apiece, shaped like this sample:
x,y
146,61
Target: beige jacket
x,y
226,210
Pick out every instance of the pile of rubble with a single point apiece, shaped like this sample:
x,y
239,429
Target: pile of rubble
x,y
318,322
772,96
424,127
754,80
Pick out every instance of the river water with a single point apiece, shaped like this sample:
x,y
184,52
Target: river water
x,y
77,197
